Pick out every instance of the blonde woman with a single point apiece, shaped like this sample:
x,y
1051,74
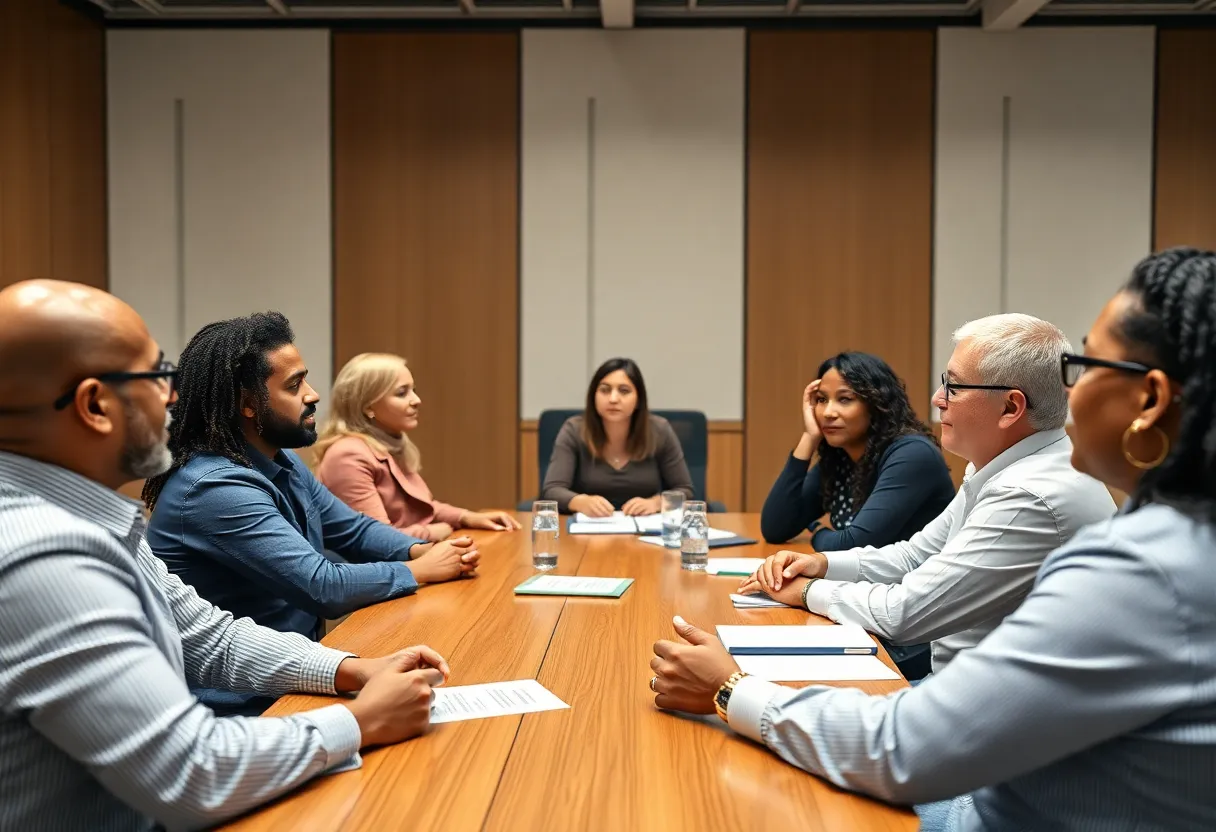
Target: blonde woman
x,y
365,457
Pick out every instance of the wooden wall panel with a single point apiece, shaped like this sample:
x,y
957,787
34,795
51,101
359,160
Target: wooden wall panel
x,y
52,144
839,220
425,154
1186,139
723,479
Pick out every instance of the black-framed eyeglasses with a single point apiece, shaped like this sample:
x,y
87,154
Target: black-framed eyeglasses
x,y
165,370
1073,366
951,386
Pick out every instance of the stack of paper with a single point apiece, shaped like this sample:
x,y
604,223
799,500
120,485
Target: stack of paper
x,y
615,523
755,601
841,652
743,567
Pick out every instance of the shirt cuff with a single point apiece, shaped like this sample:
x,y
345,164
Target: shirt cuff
x,y
318,668
843,566
819,596
339,730
748,701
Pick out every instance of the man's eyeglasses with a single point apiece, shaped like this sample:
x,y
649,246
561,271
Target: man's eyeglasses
x,y
952,386
1072,367
165,370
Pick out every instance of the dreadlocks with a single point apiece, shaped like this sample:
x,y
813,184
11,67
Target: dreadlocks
x,y
222,361
1172,325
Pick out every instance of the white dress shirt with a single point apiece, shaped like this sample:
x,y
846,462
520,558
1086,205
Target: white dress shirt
x,y
98,644
958,578
1092,708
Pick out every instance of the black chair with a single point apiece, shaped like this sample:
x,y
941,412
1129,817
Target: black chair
x,y
690,426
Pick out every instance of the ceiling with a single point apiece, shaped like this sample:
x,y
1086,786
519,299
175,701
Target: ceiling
x,y
994,14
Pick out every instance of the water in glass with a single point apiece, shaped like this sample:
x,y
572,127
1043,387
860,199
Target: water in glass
x,y
545,532
673,514
694,537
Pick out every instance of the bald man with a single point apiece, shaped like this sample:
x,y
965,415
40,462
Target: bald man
x,y
99,644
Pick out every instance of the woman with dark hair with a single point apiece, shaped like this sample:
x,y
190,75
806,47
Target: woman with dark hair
x,y
880,476
617,455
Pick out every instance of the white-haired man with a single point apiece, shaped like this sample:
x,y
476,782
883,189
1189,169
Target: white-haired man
x,y
1003,408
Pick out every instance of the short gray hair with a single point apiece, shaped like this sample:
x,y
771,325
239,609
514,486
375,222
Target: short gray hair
x,y
1022,351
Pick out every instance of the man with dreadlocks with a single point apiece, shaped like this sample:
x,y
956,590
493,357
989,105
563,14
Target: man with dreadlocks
x,y
98,642
241,519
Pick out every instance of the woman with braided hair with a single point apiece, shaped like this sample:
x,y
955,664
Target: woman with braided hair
x,y
241,518
1093,706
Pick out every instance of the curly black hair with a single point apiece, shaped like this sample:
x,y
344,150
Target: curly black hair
x,y
891,416
222,361
1172,325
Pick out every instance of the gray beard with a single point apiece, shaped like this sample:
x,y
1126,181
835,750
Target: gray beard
x,y
147,456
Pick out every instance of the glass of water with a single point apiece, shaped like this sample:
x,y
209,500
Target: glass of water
x,y
673,513
545,532
694,537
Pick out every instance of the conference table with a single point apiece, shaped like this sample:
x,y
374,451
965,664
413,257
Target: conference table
x,y
611,761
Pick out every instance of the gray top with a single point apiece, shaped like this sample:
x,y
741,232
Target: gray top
x,y
98,644
1092,707
573,470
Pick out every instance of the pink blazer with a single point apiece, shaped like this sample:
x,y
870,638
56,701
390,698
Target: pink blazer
x,y
373,483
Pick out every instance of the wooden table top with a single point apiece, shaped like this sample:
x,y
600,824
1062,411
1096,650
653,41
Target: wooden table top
x,y
612,760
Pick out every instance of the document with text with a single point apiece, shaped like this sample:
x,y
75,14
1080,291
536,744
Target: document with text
x,y
493,699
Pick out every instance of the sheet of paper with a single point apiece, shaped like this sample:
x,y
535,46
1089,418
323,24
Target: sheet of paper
x,y
574,585
615,517
743,567
755,600
494,699
650,523
789,640
616,523
816,668
714,534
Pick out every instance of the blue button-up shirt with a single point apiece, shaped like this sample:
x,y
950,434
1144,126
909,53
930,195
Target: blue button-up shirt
x,y
252,541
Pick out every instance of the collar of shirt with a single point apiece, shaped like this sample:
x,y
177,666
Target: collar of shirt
x,y
79,495
270,468
974,480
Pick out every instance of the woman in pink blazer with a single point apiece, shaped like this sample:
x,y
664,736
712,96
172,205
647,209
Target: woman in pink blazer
x,y
366,459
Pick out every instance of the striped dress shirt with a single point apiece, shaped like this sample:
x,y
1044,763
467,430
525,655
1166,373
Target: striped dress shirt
x,y
98,647
1092,707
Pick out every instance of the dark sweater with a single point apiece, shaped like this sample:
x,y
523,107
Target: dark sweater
x,y
912,487
573,470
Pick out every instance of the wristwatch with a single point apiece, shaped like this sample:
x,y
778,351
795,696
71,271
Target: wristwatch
x,y
722,697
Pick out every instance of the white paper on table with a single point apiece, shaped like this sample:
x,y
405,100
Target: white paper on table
x,y
493,699
650,523
796,639
755,600
816,668
714,534
735,566
615,517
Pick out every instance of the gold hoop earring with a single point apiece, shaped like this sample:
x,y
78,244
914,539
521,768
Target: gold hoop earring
x,y
1133,429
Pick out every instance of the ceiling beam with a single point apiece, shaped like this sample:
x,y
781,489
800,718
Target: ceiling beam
x,y
616,14
1004,15
150,6
279,6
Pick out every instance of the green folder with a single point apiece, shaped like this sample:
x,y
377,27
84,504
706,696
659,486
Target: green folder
x,y
574,585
